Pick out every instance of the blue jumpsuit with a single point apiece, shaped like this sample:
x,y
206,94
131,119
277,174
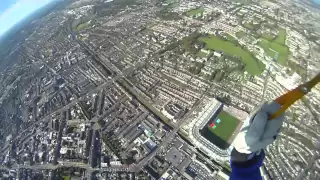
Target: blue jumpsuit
x,y
247,170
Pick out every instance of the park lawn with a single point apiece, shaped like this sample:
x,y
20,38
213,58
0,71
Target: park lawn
x,y
195,11
240,1
202,54
267,36
82,26
265,44
169,1
168,16
283,50
226,127
249,26
66,177
230,37
240,34
272,53
47,53
281,39
253,66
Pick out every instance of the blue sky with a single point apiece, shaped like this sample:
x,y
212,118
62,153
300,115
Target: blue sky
x,y
13,11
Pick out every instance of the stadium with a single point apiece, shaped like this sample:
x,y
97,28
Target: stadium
x,y
215,128
221,127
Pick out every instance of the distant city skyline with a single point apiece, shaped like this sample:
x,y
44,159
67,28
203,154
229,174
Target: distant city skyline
x,y
13,11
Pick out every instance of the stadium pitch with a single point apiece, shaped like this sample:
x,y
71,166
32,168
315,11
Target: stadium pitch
x,y
220,128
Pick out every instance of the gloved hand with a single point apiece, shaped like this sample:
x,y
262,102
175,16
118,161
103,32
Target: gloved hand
x,y
258,132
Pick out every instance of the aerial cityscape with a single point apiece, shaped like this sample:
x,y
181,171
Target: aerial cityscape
x,y
142,89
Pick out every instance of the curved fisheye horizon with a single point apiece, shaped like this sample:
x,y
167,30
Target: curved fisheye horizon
x,y
165,89
14,11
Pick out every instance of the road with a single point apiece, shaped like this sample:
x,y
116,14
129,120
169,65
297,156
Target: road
x,y
62,109
122,131
66,164
311,162
163,144
169,137
107,65
76,100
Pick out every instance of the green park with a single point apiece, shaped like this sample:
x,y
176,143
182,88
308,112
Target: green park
x,y
276,46
195,11
82,26
240,34
253,65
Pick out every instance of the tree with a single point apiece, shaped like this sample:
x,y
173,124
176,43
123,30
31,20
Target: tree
x,y
212,76
219,76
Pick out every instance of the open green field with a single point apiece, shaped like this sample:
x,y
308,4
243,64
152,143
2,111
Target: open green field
x,y
201,54
82,26
253,65
283,52
267,36
66,177
281,37
169,1
230,38
242,1
226,127
266,45
195,11
168,16
277,45
249,26
240,34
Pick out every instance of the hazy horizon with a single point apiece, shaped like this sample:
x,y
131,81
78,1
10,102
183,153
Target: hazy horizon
x,y
14,11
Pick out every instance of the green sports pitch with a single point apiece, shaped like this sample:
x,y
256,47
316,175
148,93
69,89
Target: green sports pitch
x,y
223,125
